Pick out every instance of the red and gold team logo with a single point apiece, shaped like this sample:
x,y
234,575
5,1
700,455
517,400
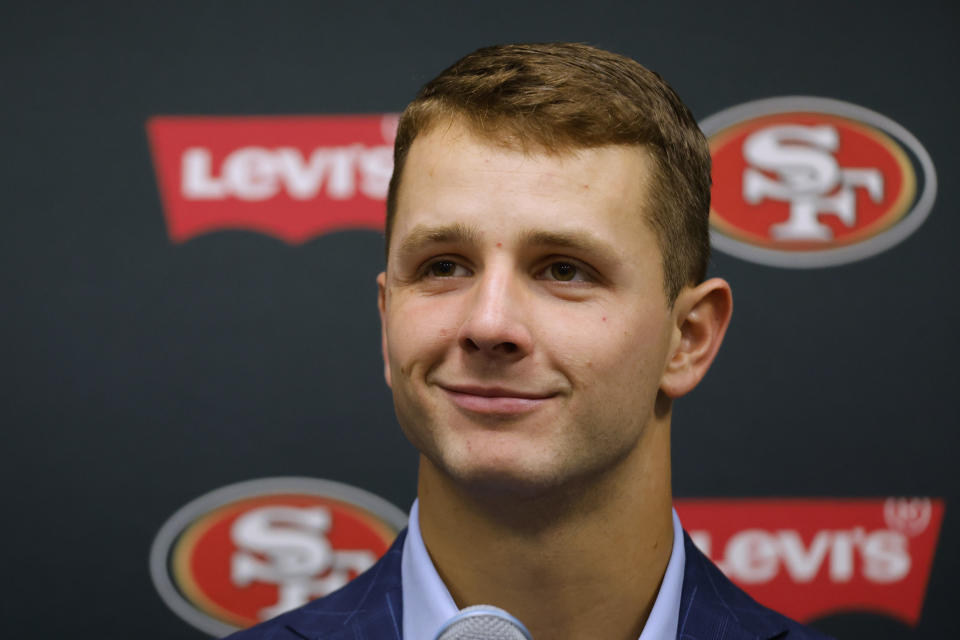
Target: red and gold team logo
x,y
810,182
250,551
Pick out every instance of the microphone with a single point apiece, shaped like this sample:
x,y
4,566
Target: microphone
x,y
483,622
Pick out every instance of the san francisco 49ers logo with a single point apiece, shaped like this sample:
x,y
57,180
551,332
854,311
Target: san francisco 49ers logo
x,y
250,551
810,182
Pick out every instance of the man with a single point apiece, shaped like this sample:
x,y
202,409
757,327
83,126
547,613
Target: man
x,y
543,304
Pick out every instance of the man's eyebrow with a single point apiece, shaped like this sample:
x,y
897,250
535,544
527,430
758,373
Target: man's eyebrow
x,y
565,240
425,235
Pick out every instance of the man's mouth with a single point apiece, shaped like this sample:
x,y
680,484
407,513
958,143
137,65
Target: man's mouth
x,y
495,400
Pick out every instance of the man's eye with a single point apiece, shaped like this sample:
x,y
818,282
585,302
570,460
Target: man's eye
x,y
446,269
564,272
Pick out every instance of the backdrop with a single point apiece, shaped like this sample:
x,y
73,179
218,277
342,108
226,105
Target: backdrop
x,y
178,322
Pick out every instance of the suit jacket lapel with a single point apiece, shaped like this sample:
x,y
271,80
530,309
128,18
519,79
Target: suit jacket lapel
x,y
371,606
713,608
368,608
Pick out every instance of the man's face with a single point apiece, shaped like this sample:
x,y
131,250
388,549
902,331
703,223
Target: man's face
x,y
525,324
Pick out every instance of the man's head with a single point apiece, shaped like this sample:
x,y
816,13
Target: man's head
x,y
527,335
556,98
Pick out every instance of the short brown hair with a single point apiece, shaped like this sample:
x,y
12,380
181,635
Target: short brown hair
x,y
561,96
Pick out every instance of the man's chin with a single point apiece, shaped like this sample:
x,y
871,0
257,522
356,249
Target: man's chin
x,y
500,480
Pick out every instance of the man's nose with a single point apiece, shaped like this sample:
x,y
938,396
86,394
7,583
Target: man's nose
x,y
495,323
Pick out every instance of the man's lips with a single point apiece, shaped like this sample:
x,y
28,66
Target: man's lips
x,y
495,400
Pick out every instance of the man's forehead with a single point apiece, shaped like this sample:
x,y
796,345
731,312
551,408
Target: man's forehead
x,y
454,175
452,156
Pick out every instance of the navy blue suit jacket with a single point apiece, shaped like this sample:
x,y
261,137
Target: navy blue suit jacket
x,y
370,608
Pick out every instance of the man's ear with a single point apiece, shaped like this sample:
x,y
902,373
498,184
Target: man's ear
x,y
382,305
701,316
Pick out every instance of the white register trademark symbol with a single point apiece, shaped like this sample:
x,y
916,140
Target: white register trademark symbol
x,y
909,515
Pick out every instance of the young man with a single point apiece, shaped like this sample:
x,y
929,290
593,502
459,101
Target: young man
x,y
543,304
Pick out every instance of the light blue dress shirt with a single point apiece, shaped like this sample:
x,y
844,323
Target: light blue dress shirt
x,y
427,603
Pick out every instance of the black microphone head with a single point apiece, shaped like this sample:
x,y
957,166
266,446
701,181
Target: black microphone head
x,y
483,622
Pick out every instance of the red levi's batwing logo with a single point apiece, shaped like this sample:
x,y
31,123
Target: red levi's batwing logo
x,y
291,177
808,558
810,182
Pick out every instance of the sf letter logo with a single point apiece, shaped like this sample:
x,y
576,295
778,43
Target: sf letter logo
x,y
808,178
249,551
807,182
297,557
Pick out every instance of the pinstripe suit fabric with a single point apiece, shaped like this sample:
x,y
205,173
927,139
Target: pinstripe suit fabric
x,y
371,607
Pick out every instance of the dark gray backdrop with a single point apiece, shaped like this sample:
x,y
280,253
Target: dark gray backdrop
x,y
139,374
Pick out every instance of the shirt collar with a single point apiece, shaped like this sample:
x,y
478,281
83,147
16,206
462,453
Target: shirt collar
x,y
665,614
427,603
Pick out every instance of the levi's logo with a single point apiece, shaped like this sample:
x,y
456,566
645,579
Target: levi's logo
x,y
292,177
808,558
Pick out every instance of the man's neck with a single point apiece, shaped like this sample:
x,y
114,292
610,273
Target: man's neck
x,y
577,562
